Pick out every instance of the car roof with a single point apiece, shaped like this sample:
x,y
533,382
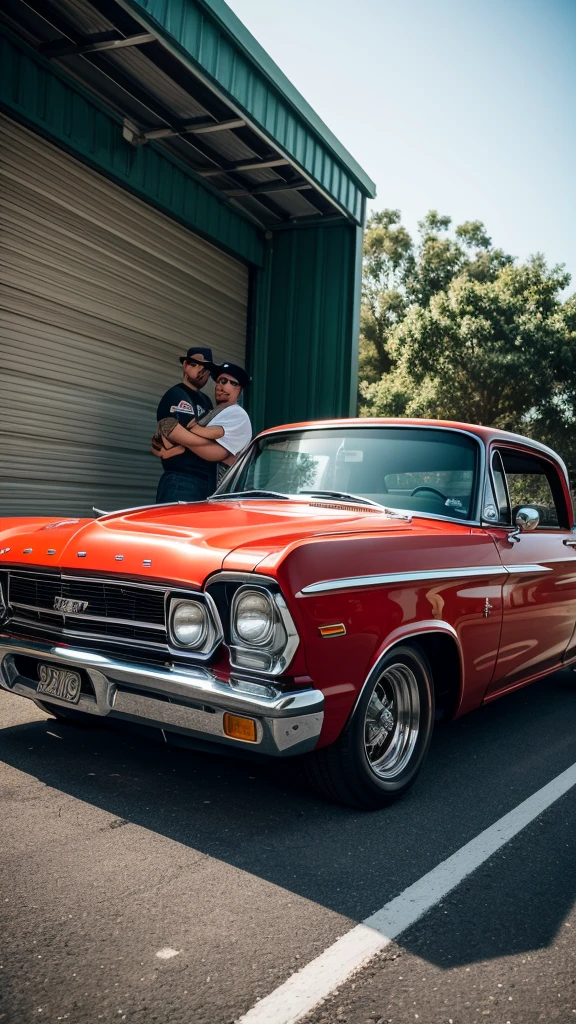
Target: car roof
x,y
485,434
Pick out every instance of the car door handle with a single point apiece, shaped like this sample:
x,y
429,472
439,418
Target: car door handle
x,y
570,542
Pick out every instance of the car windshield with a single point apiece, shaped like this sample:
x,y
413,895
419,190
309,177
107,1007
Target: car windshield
x,y
419,469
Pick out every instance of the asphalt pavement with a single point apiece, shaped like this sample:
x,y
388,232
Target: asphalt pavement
x,y
144,883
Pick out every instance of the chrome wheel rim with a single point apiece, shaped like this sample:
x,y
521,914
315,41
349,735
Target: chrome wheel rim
x,y
392,722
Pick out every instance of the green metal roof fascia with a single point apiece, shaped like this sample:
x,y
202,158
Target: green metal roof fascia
x,y
169,17
32,89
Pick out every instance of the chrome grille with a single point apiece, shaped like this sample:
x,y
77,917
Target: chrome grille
x,y
116,611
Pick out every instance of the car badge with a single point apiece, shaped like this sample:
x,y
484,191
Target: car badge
x,y
69,607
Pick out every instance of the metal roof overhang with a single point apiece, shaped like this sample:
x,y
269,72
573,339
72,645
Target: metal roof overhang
x,y
209,108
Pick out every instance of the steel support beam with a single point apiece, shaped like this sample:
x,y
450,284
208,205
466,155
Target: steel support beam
x,y
93,44
194,129
93,49
265,188
254,165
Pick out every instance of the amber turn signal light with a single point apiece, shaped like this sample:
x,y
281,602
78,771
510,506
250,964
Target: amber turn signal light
x,y
240,728
336,629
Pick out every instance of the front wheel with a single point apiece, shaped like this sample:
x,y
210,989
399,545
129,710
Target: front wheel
x,y
380,752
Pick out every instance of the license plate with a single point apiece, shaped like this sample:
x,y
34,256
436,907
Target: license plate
x,y
59,682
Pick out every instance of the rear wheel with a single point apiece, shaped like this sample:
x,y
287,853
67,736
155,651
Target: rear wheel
x,y
380,752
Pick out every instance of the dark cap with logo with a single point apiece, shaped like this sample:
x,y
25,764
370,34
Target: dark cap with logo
x,y
232,370
204,353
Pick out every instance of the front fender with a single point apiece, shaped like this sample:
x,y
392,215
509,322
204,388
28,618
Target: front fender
x,y
339,711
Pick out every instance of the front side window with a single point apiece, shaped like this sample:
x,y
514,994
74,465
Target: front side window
x,y
433,471
533,481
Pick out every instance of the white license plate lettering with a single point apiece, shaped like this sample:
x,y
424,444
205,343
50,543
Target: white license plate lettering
x,y
59,682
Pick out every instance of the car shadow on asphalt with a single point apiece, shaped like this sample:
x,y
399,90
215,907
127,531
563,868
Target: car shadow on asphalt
x,y
514,904
261,818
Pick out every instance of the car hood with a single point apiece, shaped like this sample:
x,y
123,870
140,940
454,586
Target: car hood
x,y
184,543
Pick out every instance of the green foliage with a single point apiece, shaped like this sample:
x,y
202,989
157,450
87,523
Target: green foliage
x,y
452,328
389,262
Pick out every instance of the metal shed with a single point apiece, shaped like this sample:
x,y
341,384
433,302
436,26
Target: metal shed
x,y
162,183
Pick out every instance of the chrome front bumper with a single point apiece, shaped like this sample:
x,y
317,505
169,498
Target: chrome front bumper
x,y
286,723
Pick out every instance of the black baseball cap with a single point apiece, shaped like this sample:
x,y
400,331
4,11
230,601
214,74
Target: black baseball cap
x,y
192,353
235,371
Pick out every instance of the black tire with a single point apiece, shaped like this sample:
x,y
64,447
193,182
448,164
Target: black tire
x,y
369,775
69,715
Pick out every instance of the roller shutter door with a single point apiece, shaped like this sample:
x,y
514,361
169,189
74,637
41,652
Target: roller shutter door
x,y
99,295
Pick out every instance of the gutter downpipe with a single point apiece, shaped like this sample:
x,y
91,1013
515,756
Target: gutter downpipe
x,y
356,305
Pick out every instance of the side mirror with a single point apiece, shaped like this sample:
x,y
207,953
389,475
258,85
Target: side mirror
x,y
527,519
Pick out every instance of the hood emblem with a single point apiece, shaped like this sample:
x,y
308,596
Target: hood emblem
x,y
69,607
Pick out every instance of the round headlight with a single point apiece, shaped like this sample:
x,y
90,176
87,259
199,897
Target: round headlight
x,y
189,623
253,618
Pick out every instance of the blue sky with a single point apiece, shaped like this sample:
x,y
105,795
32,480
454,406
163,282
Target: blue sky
x,y
465,106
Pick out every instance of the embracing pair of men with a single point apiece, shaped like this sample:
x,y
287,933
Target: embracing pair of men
x,y
197,443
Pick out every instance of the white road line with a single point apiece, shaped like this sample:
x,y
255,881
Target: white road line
x,y
314,982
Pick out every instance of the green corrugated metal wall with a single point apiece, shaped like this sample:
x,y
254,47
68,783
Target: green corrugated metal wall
x,y
200,38
304,345
52,103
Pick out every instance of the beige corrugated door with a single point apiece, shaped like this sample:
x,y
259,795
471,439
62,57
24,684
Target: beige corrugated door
x,y
99,295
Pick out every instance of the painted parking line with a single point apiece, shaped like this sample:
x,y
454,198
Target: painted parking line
x,y
309,986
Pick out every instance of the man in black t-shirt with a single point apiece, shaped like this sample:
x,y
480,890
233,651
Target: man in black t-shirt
x,y
187,477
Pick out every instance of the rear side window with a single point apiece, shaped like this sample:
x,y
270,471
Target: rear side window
x,y
531,480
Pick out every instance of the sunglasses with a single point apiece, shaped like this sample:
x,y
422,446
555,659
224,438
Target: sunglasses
x,y
198,362
228,380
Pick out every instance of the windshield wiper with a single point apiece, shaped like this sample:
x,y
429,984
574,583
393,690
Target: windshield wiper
x,y
344,496
250,494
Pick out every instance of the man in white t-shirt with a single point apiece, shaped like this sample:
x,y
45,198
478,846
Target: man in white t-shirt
x,y
221,434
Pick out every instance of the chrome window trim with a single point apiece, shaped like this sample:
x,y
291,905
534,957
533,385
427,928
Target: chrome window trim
x,y
422,576
493,452
547,455
477,497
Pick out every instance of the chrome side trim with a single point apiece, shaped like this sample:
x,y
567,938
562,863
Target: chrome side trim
x,y
466,572
532,569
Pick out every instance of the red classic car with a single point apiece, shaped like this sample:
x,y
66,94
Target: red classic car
x,y
349,582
